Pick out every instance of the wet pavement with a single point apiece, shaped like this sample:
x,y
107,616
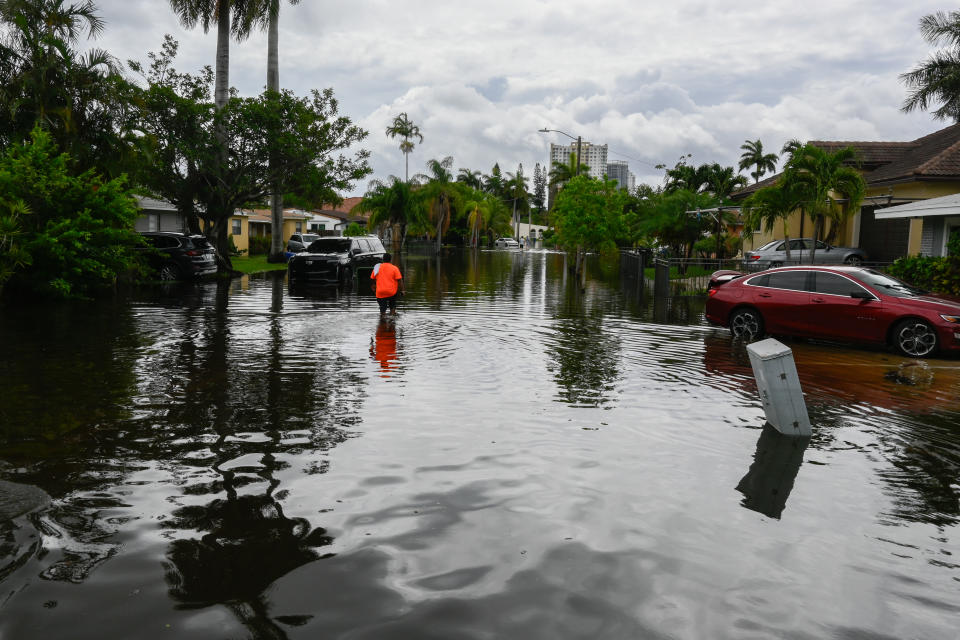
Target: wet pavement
x,y
510,457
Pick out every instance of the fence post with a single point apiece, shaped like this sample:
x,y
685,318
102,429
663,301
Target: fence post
x,y
661,278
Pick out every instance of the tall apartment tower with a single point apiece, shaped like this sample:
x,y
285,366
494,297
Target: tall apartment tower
x,y
592,155
619,170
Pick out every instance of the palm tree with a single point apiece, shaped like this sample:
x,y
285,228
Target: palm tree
x,y
753,156
722,181
269,16
403,127
206,13
768,205
395,203
470,178
938,78
516,189
562,173
478,217
687,177
829,187
494,183
439,195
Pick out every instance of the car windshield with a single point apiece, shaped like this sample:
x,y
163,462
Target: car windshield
x,y
888,285
330,245
306,239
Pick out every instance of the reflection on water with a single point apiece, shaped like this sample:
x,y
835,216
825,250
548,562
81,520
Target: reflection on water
x,y
512,456
767,484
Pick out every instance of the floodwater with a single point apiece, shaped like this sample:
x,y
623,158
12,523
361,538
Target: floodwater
x,y
511,457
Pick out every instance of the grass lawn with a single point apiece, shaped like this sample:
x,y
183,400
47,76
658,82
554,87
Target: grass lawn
x,y
256,264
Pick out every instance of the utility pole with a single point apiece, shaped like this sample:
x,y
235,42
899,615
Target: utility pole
x,y
578,157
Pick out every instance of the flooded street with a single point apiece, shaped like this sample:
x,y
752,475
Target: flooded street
x,y
509,458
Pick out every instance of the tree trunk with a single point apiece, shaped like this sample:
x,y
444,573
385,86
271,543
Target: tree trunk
x,y
222,82
816,235
273,84
221,243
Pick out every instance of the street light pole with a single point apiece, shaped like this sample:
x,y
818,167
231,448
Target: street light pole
x,y
576,171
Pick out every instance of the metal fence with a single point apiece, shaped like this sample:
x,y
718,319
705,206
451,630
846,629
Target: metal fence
x,y
687,277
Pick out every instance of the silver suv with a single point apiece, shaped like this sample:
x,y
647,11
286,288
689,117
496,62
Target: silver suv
x,y
300,241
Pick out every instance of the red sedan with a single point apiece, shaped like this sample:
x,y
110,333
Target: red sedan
x,y
849,304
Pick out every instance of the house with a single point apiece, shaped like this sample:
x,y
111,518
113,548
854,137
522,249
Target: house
x,y
158,215
253,223
896,173
336,218
938,217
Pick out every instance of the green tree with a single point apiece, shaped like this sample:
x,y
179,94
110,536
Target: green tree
x,y
588,215
394,203
539,199
267,15
79,237
173,114
515,189
80,98
495,182
722,181
753,156
354,229
664,218
937,79
13,256
439,195
829,187
403,127
769,205
473,179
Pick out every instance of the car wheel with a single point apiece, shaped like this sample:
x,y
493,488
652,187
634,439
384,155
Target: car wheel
x,y
746,324
853,261
169,271
915,338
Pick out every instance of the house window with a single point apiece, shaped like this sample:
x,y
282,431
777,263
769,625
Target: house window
x,y
299,226
153,222
235,227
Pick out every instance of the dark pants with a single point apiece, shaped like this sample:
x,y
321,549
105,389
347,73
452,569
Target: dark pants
x,y
391,301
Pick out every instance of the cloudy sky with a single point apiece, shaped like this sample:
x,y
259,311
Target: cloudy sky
x,y
653,80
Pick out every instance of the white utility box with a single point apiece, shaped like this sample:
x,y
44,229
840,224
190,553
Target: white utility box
x,y
779,387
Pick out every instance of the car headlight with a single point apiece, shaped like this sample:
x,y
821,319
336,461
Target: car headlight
x,y
345,260
951,319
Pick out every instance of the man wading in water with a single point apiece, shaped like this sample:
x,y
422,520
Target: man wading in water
x,y
387,279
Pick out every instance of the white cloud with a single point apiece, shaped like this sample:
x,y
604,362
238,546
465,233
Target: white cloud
x,y
653,80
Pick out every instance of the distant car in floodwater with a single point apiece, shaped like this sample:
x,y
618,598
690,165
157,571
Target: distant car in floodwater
x,y
300,241
506,243
774,254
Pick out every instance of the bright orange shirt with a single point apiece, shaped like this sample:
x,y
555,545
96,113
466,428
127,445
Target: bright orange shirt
x,y
387,279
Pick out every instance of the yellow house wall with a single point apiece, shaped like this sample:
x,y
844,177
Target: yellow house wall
x,y
847,232
241,241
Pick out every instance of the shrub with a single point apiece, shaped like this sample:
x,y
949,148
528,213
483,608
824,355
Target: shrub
x,y
79,236
234,252
953,245
259,244
354,229
940,275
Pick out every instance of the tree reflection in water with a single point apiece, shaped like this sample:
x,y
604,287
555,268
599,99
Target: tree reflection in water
x,y
584,359
246,540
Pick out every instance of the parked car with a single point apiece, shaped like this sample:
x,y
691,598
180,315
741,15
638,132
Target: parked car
x,y
506,243
774,254
335,260
179,256
848,304
300,241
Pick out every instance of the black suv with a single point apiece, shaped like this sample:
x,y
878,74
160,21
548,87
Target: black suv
x,y
334,260
178,256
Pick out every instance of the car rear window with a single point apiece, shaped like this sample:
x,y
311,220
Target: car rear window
x,y
792,280
833,284
330,245
197,242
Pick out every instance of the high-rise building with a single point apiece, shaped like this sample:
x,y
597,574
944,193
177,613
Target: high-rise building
x,y
592,155
619,170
